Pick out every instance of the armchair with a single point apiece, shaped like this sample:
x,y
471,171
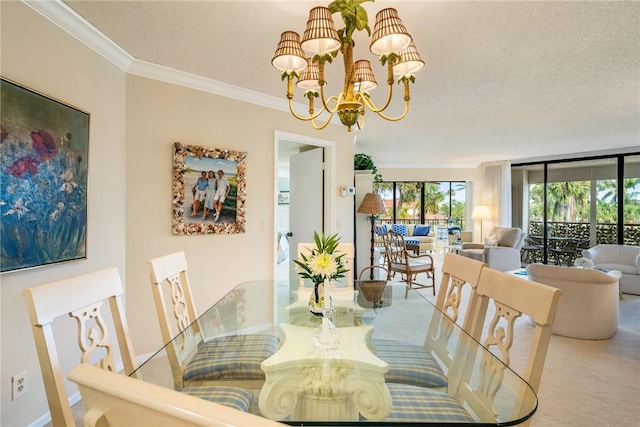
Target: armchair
x,y
501,250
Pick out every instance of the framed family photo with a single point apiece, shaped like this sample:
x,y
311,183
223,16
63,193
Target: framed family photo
x,y
44,149
209,190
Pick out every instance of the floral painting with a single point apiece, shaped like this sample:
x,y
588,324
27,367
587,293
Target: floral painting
x,y
44,148
209,190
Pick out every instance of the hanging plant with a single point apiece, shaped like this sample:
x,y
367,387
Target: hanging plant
x,y
364,162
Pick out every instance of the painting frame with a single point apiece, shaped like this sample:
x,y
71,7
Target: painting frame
x,y
44,154
194,209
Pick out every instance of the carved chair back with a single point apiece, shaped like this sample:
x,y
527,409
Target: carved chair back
x,y
82,298
175,310
458,272
512,297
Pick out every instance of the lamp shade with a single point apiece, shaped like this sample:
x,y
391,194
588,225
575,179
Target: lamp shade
x,y
364,76
289,55
389,33
372,205
309,77
480,212
410,61
320,36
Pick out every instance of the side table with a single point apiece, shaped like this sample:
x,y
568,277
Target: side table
x,y
454,248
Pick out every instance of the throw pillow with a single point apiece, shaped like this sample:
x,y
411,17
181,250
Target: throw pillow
x,y
381,229
421,230
490,242
399,228
508,236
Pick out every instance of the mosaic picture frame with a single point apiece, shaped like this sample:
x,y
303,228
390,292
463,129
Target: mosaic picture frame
x,y
195,210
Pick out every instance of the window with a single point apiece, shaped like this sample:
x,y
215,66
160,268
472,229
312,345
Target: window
x,y
579,199
422,202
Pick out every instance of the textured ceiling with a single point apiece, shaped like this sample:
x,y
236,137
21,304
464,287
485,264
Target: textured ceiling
x,y
503,80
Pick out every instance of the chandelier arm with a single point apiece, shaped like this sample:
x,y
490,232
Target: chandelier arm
x,y
360,123
324,125
325,102
407,97
395,119
306,119
371,106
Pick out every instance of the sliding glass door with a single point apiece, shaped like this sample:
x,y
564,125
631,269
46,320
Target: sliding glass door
x,y
566,206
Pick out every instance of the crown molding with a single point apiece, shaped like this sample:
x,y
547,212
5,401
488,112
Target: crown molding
x,y
68,20
71,22
193,81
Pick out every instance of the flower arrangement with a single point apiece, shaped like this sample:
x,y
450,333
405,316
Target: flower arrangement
x,y
323,262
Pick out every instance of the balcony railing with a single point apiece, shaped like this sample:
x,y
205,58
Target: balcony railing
x,y
606,233
576,236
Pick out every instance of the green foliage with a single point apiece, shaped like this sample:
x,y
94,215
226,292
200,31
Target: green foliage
x,y
407,77
570,201
353,15
287,74
363,162
311,94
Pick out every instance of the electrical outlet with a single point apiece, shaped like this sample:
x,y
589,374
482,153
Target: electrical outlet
x,y
18,385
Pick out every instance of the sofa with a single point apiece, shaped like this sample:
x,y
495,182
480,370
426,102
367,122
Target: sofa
x,y
500,251
589,305
424,234
624,258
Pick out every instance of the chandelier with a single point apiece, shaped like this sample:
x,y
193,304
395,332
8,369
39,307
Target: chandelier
x,y
321,43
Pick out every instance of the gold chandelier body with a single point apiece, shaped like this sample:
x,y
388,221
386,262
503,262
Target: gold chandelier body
x,y
322,42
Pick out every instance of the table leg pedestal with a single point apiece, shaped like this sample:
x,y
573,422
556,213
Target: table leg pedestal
x,y
325,392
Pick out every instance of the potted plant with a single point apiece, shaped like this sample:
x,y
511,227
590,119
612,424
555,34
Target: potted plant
x,y
364,162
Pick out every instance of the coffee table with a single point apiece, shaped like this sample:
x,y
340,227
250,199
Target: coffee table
x,y
453,247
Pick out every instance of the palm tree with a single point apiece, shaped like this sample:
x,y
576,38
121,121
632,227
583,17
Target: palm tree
x,y
433,197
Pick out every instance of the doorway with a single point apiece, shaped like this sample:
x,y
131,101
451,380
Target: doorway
x,y
319,206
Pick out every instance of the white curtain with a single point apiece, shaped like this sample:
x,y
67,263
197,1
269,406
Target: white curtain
x,y
496,192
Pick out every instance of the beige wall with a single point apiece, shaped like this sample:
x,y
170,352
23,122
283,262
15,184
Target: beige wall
x,y
159,114
39,55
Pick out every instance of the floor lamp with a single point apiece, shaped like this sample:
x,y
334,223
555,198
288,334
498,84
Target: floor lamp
x,y
372,205
480,212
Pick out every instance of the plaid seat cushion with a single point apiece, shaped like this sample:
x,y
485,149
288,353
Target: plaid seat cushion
x,y
417,404
233,397
231,357
410,364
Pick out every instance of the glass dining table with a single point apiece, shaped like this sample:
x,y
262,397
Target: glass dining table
x,y
338,374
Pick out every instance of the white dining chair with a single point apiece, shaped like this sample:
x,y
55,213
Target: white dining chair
x,y
511,297
428,365
119,401
196,359
81,298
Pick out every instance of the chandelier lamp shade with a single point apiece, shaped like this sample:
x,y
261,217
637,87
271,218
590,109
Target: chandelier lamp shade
x,y
305,60
372,205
